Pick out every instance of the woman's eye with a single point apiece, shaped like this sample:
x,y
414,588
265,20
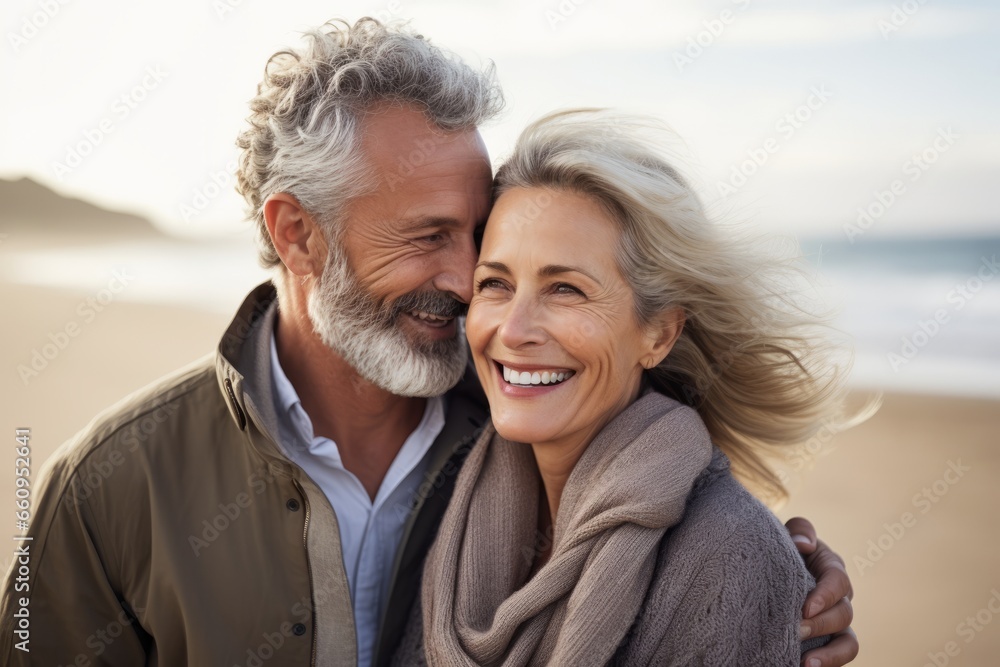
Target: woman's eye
x,y
488,283
564,288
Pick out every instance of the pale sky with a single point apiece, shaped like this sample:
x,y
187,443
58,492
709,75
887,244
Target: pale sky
x,y
885,80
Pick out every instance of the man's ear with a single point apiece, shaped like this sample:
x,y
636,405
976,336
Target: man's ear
x,y
297,237
664,331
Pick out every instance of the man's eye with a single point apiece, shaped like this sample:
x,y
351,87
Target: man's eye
x,y
431,241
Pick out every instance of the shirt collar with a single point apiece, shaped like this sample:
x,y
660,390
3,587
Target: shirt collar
x,y
295,422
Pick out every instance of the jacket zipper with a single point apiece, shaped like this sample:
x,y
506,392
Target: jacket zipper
x,y
305,545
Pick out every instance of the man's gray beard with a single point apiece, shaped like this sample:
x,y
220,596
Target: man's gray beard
x,y
367,335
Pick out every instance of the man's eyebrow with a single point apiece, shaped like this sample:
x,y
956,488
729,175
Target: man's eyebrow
x,y
431,222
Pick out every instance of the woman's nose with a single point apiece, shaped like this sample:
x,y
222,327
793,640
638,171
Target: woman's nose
x,y
521,324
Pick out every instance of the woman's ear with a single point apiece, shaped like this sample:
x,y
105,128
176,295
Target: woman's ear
x,y
664,331
297,237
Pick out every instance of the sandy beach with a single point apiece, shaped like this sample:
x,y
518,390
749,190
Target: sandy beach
x,y
909,498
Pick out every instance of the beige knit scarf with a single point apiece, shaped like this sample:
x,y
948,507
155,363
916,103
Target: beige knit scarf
x,y
628,488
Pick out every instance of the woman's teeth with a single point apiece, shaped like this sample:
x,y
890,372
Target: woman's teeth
x,y
534,377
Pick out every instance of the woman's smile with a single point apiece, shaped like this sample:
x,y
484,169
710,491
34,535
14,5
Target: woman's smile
x,y
527,380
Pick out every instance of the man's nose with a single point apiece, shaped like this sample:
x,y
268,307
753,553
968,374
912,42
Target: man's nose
x,y
455,276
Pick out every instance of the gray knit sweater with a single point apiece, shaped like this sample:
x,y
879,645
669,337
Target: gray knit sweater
x,y
729,564
729,585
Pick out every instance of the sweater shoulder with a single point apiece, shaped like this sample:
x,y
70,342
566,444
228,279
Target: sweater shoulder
x,y
728,586
726,529
722,516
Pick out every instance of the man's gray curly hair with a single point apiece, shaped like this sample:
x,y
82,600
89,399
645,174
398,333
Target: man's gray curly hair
x,y
304,135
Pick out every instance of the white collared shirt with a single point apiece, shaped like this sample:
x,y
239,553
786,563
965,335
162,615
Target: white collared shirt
x,y
370,532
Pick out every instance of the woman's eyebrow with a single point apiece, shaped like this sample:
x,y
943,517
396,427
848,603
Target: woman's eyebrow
x,y
557,269
546,271
496,266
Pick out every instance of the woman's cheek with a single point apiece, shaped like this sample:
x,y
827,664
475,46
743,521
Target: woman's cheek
x,y
479,322
582,333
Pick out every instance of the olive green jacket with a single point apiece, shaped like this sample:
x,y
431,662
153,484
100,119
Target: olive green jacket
x,y
174,530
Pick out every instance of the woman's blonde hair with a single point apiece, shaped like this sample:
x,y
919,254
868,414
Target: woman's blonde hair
x,y
751,359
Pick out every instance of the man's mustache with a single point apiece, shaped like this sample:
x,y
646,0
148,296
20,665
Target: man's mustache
x,y
435,303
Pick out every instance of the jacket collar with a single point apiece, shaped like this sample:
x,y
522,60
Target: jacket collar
x,y
243,367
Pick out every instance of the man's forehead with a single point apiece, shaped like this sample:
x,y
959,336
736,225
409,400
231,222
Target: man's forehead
x,y
405,135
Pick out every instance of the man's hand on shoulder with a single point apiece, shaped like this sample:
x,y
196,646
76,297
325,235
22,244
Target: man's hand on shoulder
x,y
827,610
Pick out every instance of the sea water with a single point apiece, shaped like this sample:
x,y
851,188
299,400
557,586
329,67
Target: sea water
x,y
923,315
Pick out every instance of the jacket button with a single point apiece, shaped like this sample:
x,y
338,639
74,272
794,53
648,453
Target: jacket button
x,y
292,505
299,629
